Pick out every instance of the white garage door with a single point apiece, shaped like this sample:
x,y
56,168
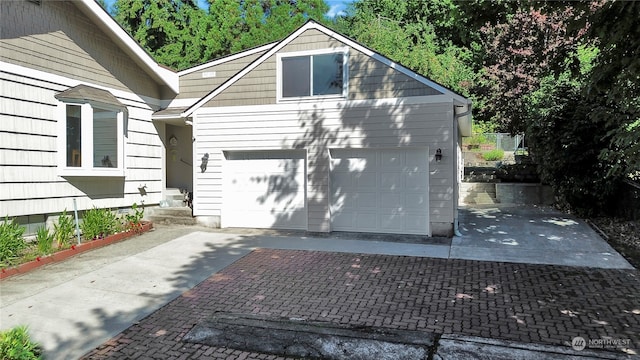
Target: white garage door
x,y
264,189
382,191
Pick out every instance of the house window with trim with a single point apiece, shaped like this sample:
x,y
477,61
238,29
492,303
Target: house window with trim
x,y
91,133
312,74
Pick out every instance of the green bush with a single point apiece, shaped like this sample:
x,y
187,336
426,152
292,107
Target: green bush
x,y
64,230
98,223
44,239
493,155
15,344
11,240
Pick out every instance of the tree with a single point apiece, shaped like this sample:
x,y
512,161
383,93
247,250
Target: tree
x,y
518,53
566,142
239,25
615,81
163,27
179,34
405,32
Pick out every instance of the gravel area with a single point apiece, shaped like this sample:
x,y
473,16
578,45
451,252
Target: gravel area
x,y
623,235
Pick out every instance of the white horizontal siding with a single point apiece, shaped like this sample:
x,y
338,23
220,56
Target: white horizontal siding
x,y
16,124
29,181
318,127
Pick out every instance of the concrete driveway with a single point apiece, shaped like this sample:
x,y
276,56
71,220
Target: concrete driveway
x,y
533,235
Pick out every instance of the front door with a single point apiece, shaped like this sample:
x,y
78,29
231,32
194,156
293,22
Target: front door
x,y
179,157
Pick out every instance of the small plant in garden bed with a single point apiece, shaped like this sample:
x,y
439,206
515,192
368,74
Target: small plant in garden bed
x,y
12,244
99,223
16,344
493,155
44,239
134,220
63,230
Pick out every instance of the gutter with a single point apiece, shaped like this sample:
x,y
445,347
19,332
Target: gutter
x,y
456,217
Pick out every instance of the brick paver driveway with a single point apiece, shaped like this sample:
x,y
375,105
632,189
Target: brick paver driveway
x,y
519,302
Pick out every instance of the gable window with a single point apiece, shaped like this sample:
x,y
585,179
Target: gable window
x,y
91,134
312,74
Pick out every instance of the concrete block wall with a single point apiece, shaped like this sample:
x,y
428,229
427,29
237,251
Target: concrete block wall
x,y
523,193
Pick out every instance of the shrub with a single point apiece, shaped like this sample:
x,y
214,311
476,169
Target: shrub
x,y
63,230
44,239
493,155
134,219
98,223
15,344
11,240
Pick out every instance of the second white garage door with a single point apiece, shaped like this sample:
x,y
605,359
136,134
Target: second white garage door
x,y
380,191
264,189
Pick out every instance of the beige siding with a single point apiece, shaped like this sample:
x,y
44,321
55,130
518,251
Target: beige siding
x,y
196,85
57,38
256,88
368,78
29,183
318,128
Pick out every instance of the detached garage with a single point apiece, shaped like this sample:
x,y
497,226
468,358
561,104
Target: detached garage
x,y
319,133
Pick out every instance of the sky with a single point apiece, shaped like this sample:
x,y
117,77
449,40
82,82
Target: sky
x,y
336,7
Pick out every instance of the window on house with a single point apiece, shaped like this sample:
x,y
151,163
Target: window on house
x,y
313,75
91,134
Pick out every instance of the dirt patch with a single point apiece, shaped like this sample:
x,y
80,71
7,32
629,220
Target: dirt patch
x,y
622,235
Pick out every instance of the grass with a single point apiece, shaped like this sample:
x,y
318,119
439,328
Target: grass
x,y
493,155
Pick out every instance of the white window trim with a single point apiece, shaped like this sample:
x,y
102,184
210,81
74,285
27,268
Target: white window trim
x,y
86,169
345,74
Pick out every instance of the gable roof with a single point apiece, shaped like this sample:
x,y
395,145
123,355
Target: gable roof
x,y
106,23
311,24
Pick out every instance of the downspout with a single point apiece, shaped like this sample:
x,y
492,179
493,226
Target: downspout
x,y
456,218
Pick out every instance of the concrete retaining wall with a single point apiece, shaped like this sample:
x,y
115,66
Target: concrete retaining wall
x,y
523,193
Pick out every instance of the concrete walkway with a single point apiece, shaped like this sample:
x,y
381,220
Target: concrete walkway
x,y
74,306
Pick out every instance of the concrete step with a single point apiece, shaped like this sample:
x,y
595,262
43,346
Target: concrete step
x,y
478,187
172,203
486,178
180,215
172,211
172,220
485,199
478,193
172,194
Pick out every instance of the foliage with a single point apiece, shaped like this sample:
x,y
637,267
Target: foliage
x,y
63,230
566,144
134,220
179,34
615,31
160,26
405,32
11,240
15,344
98,223
521,173
518,53
493,155
44,239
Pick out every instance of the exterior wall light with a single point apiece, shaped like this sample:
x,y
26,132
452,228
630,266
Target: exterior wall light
x,y
438,155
